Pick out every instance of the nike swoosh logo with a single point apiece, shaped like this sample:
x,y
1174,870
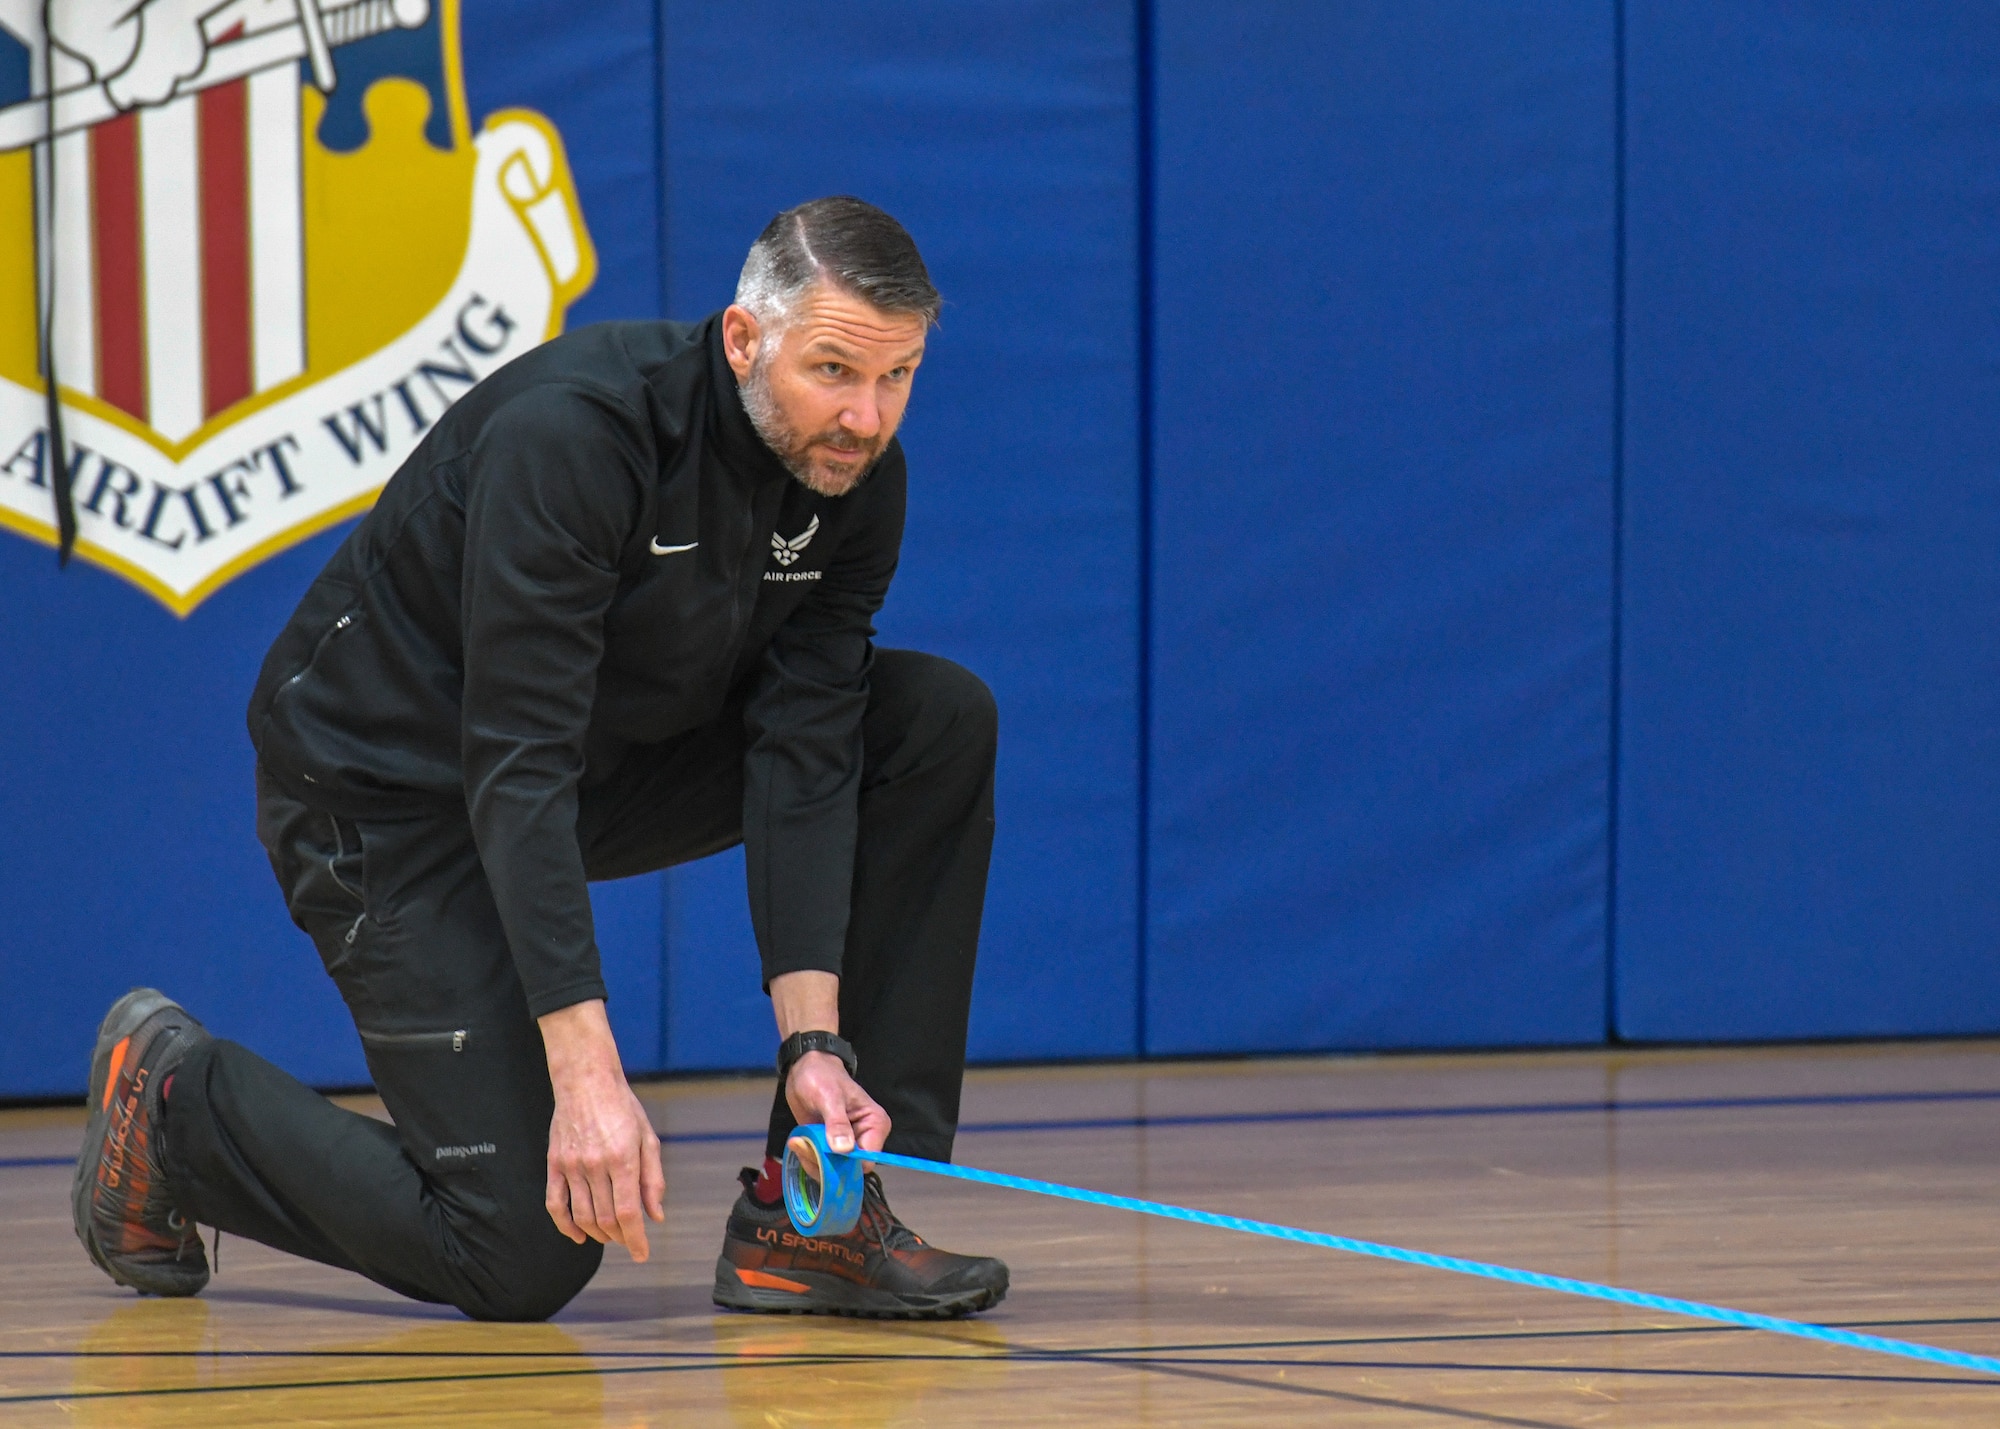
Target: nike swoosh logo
x,y
660,550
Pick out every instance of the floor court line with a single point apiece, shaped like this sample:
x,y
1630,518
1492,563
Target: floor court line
x,y
718,1363
1484,1109
1187,1347
1334,1114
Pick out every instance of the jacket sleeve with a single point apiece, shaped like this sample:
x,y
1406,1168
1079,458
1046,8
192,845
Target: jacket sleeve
x,y
553,491
802,727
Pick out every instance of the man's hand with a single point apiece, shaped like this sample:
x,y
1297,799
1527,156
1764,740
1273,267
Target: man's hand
x,y
604,1157
819,1089
138,49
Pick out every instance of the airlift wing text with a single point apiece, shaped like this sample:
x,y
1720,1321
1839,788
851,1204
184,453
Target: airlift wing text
x,y
244,494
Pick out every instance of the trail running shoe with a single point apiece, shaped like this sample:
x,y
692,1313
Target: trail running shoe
x,y
880,1270
118,1198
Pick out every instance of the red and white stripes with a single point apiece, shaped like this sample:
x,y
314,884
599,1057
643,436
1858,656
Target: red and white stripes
x,y
180,252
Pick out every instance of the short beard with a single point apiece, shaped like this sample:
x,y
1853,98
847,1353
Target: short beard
x,y
785,441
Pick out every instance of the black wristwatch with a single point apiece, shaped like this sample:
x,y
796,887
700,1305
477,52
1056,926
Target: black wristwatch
x,y
800,1043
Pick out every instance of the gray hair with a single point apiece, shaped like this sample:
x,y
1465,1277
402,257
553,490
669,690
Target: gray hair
x,y
843,241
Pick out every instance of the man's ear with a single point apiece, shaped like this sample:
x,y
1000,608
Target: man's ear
x,y
741,338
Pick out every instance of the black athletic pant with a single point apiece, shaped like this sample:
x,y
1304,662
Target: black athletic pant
x,y
447,1205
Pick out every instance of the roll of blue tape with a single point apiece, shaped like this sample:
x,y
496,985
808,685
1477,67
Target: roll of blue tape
x,y
822,1186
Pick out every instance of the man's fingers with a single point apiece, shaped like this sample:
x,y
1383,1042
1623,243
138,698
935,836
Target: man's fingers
x,y
604,1208
872,1127
583,1205
557,1201
625,1207
870,1122
653,1178
839,1135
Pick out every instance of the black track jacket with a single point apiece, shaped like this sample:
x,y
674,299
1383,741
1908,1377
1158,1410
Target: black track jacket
x,y
513,615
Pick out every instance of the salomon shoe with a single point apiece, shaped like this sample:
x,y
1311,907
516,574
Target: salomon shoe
x,y
879,1270
118,1199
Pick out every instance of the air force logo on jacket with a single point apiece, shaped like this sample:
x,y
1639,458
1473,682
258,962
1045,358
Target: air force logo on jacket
x,y
785,552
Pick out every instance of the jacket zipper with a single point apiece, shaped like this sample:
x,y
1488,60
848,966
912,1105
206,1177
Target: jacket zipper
x,y
333,864
319,648
455,1040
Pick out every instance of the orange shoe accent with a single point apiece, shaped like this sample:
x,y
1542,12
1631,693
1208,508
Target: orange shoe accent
x,y
769,1282
117,1062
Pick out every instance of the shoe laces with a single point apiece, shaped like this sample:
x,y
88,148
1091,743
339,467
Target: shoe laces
x,y
879,1223
187,1233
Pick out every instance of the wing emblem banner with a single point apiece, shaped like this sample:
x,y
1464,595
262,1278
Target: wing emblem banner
x,y
267,250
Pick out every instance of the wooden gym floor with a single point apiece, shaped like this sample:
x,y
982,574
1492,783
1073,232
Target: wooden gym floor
x,y
1854,1185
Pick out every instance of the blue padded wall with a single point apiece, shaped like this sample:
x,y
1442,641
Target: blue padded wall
x,y
592,71
127,822
1811,719
127,847
1003,134
1383,277
716,1014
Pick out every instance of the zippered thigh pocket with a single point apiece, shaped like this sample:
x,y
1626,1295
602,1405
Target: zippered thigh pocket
x,y
456,1040
451,1110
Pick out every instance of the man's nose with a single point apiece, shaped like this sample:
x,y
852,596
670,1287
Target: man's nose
x,y
863,416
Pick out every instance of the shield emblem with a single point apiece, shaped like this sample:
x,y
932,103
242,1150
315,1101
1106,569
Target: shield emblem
x,y
261,250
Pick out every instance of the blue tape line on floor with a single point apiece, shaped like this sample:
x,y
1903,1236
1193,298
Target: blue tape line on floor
x,y
837,1169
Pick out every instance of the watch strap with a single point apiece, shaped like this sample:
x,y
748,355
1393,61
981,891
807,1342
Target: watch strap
x,y
800,1043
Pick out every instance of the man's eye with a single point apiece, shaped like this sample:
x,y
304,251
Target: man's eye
x,y
832,369
898,374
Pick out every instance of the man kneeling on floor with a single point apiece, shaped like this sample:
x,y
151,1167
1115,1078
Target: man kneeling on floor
x,y
613,614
